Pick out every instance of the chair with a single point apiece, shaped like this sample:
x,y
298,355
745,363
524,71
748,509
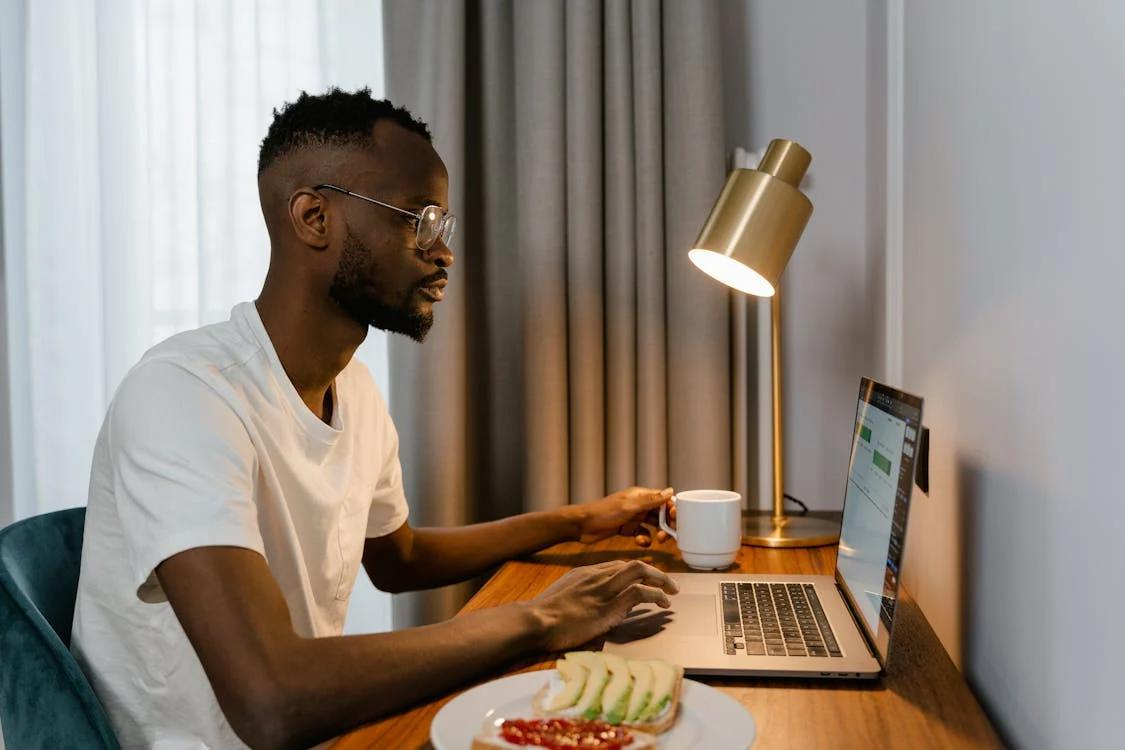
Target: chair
x,y
45,699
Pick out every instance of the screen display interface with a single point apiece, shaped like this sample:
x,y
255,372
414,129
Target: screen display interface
x,y
880,479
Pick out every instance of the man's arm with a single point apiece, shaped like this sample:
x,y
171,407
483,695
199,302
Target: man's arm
x,y
412,559
279,690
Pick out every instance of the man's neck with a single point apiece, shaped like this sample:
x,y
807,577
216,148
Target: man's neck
x,y
314,341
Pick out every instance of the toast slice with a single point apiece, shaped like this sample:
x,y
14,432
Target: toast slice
x,y
663,721
657,725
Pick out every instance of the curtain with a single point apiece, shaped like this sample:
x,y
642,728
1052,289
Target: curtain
x,y
577,351
130,211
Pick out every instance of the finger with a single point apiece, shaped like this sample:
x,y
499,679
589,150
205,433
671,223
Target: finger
x,y
662,536
637,571
650,498
638,593
643,536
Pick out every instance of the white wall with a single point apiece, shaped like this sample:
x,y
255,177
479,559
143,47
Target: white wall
x,y
1014,284
6,505
811,71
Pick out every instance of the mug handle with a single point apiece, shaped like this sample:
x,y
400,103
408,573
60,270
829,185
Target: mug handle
x,y
664,523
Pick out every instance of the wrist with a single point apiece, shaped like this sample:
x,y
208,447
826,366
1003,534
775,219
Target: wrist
x,y
536,625
572,519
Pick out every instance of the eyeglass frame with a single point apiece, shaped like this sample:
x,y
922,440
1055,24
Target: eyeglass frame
x,y
446,216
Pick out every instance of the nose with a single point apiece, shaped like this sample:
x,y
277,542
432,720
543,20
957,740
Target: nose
x,y
440,255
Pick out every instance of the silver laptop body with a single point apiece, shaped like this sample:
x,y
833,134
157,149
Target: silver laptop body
x,y
804,625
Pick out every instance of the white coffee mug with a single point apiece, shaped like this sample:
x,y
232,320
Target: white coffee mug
x,y
708,527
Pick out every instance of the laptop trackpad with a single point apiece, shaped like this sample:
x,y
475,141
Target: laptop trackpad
x,y
692,615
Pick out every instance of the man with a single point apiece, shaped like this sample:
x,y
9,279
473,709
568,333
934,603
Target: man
x,y
245,470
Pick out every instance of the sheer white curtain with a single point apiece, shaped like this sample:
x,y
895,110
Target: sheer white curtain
x,y
130,133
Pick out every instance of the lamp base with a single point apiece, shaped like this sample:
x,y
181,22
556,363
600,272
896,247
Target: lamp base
x,y
760,530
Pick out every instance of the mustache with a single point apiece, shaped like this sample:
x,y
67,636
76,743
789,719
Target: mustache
x,y
441,275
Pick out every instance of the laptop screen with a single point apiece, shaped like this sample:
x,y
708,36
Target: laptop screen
x,y
880,478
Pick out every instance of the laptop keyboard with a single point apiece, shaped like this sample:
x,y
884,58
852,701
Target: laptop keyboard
x,y
775,619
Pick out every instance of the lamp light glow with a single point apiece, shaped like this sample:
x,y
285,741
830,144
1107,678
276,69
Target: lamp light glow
x,y
731,272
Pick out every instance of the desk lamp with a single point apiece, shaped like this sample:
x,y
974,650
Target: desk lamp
x,y
746,242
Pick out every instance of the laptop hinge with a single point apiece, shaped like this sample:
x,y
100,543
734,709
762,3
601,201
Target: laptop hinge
x,y
858,624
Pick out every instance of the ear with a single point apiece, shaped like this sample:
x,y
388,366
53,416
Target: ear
x,y
308,213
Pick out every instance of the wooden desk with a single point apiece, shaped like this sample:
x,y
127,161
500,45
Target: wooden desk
x,y
923,701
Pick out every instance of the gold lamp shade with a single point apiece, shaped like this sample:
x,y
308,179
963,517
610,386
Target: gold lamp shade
x,y
756,222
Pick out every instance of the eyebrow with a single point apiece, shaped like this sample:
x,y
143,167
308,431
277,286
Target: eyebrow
x,y
421,201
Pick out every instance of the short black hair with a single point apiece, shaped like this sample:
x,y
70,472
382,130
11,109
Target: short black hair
x,y
335,118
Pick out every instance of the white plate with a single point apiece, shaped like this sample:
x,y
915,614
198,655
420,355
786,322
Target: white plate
x,y
708,718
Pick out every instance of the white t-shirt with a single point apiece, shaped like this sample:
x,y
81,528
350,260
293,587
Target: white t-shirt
x,y
208,443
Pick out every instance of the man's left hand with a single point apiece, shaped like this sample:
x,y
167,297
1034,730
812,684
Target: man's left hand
x,y
620,513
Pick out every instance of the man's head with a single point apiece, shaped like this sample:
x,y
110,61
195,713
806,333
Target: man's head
x,y
364,256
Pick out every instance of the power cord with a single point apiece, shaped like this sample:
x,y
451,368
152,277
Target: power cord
x,y
804,508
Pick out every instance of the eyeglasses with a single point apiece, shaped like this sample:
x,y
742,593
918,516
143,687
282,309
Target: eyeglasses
x,y
430,224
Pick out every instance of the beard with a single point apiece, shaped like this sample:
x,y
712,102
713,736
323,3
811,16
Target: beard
x,y
353,290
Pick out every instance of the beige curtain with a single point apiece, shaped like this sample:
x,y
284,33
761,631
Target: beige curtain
x,y
577,351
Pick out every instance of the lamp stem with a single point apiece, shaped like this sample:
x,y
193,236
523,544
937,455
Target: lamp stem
x,y
778,442
779,530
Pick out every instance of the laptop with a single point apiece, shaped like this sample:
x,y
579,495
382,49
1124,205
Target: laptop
x,y
804,625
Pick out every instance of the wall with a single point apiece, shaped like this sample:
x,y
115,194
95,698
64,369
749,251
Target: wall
x,y
7,509
812,71
1013,285
13,333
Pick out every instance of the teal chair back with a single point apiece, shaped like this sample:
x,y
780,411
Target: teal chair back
x,y
45,700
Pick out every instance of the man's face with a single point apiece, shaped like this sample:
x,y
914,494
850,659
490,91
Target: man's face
x,y
383,279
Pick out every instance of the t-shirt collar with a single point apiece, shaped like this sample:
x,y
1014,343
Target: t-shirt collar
x,y
315,426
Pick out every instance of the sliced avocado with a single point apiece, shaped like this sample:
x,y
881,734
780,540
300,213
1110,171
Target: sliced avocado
x,y
615,698
642,689
663,683
574,679
590,701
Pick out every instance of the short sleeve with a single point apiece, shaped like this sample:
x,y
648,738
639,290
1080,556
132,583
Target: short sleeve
x,y
183,470
388,504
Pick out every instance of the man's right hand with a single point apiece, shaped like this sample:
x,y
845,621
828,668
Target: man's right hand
x,y
587,602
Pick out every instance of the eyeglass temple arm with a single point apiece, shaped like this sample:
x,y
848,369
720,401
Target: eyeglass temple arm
x,y
338,189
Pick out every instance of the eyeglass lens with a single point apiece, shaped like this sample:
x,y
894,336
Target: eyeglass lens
x,y
433,224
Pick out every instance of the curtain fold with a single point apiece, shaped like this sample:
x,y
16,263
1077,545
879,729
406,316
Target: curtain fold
x,y
130,141
130,134
578,351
